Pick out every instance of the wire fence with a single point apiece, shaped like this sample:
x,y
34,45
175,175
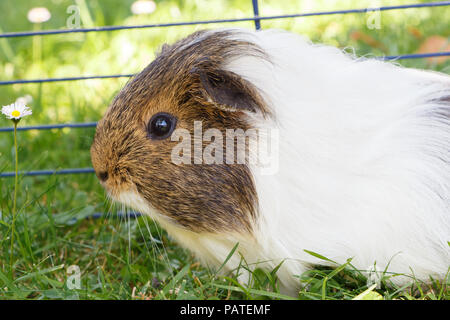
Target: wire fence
x,y
256,18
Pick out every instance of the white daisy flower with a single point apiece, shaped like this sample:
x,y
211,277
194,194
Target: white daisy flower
x,y
39,15
16,111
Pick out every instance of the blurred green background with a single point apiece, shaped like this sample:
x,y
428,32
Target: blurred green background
x,y
128,51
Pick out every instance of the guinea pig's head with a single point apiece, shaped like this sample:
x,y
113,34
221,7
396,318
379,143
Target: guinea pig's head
x,y
132,151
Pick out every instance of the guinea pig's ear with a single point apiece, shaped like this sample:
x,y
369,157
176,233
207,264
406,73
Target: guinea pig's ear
x,y
229,90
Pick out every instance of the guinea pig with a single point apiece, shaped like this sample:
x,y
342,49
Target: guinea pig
x,y
359,164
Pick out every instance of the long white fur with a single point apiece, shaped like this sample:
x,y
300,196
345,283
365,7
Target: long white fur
x,y
364,166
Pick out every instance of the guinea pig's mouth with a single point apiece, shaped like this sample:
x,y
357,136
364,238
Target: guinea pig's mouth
x,y
120,194
131,199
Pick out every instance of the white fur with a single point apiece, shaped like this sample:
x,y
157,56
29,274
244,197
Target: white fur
x,y
364,166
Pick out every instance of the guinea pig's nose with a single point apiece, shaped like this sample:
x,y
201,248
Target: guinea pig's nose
x,y
103,175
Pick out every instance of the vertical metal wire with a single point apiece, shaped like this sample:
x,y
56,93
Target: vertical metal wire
x,y
256,13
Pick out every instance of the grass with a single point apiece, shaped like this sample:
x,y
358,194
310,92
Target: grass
x,y
134,258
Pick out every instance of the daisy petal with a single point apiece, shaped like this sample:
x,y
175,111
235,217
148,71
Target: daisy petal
x,y
16,111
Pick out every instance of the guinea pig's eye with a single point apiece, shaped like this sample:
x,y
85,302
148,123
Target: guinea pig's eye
x,y
161,125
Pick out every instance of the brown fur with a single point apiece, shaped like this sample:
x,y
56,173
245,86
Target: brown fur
x,y
187,81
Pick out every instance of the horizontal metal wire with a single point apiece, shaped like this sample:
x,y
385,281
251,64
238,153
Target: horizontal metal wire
x,y
416,56
52,126
397,57
47,172
65,79
118,215
258,18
